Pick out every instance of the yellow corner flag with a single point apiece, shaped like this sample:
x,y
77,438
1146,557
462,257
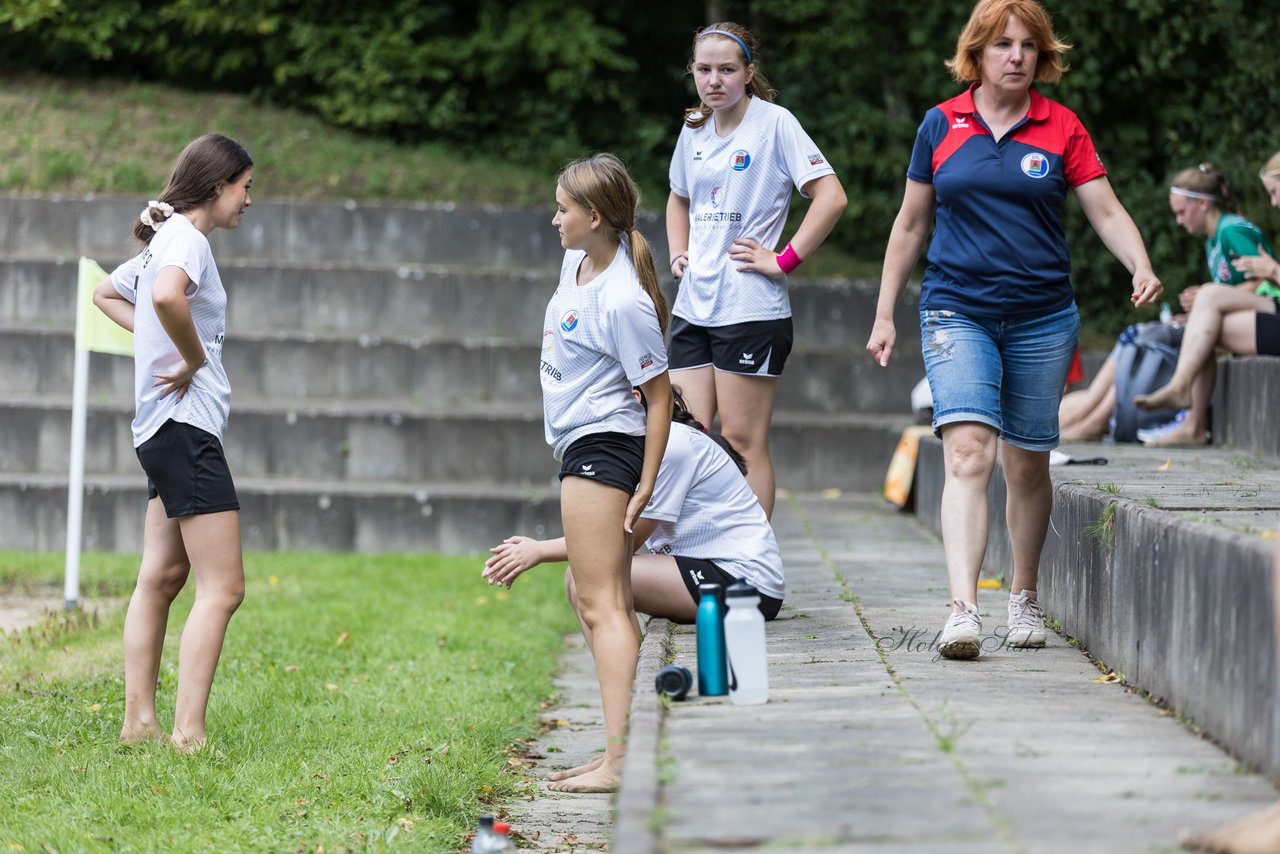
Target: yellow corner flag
x,y
94,330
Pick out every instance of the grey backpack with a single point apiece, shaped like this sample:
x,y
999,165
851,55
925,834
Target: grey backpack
x,y
1145,355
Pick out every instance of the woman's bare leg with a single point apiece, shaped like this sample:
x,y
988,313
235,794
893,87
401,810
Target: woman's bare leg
x,y
592,514
746,411
212,542
698,386
1078,405
1238,334
161,577
1092,425
1203,333
969,458
659,592
1030,501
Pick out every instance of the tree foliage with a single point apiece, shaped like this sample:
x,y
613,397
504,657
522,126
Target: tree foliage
x,y
1160,84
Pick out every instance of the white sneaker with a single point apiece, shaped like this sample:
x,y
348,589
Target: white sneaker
x,y
1026,621
1151,434
962,635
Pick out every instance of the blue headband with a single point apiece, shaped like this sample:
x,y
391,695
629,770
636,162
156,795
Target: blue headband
x,y
740,42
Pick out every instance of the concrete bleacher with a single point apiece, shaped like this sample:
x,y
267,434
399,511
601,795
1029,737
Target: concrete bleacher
x,y
1160,562
383,361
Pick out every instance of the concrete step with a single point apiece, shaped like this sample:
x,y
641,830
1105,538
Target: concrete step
x,y
404,299
1160,564
1247,387
387,441
293,368
330,440
294,231
290,515
422,302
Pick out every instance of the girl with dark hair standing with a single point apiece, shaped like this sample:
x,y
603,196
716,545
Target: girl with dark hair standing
x,y
171,297
602,336
732,173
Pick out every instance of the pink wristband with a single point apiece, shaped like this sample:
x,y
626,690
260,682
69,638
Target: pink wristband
x,y
789,259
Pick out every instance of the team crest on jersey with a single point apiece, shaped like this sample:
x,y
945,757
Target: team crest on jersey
x,y
1035,165
815,159
717,196
646,361
741,160
569,321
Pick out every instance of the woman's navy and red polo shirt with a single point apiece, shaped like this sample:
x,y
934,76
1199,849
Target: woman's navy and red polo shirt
x,y
998,250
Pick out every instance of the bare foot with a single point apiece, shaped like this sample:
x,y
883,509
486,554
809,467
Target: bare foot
x,y
142,733
602,779
1182,437
574,772
188,746
1169,397
1256,833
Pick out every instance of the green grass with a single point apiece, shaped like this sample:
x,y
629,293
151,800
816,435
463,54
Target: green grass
x,y
360,701
110,136
107,136
1103,529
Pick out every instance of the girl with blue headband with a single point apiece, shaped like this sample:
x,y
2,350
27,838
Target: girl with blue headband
x,y
732,173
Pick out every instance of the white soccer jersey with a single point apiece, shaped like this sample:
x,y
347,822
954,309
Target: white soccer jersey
x,y
207,402
705,509
739,186
598,340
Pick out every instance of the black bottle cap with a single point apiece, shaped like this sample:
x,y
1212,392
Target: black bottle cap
x,y
709,587
741,589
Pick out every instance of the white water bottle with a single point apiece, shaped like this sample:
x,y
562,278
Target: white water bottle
x,y
745,645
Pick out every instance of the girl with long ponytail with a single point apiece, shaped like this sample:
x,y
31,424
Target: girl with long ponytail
x,y
602,336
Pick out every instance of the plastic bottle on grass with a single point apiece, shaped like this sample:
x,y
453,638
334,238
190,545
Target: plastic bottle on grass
x,y
712,674
492,837
502,837
745,644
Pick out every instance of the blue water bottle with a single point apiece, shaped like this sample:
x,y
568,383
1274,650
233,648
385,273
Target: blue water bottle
x,y
713,674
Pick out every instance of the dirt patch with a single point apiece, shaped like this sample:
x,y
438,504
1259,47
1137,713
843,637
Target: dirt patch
x,y
22,608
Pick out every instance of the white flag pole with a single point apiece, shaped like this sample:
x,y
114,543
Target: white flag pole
x,y
75,478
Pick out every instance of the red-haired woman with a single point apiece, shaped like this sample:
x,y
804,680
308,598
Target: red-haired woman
x,y
989,176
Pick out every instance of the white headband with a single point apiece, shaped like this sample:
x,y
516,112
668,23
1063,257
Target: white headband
x,y
1192,194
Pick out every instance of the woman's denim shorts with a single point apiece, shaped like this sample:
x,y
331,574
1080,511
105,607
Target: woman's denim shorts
x,y
1007,374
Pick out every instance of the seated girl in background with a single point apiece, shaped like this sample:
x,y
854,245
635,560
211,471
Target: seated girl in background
x,y
1203,204
1238,315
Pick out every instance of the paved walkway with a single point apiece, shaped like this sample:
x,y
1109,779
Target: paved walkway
x,y
871,743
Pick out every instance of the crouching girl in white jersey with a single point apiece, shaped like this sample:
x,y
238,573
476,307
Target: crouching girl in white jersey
x,y
171,297
735,163
603,334
703,525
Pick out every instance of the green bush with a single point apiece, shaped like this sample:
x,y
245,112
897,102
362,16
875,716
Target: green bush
x,y
1161,84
